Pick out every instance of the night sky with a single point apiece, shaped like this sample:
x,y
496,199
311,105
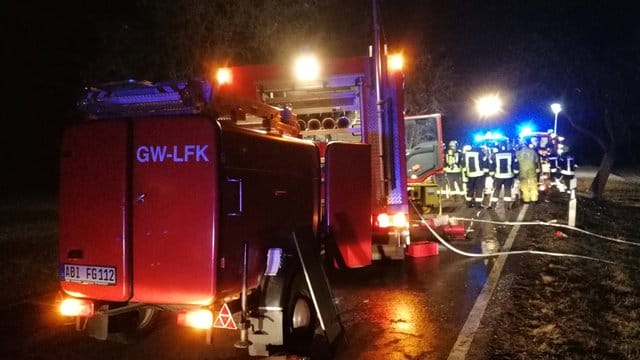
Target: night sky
x,y
44,46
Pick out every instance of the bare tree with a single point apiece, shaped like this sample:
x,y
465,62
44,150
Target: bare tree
x,y
595,78
430,85
163,38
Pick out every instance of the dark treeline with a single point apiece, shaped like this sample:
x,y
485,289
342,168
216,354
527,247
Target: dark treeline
x,y
585,55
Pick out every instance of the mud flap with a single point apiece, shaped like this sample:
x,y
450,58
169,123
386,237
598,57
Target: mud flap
x,y
98,325
320,290
269,325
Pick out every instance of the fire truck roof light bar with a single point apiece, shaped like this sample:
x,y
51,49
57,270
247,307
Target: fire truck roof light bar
x,y
144,98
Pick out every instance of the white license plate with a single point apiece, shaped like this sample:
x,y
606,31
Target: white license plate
x,y
87,274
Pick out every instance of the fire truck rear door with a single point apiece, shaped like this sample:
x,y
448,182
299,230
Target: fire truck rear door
x,y
348,200
94,242
174,209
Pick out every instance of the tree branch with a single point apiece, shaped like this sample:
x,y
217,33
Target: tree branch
x,y
588,132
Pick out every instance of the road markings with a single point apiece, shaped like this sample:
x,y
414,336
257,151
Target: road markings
x,y
465,337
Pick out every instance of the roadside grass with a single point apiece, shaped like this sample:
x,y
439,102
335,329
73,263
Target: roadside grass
x,y
559,307
28,241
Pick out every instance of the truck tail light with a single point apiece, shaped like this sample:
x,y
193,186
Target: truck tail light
x,y
76,307
400,220
383,221
223,76
199,319
397,220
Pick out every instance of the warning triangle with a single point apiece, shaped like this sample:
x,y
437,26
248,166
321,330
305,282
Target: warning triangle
x,y
224,319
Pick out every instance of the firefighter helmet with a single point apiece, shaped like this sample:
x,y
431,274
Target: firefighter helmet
x,y
453,145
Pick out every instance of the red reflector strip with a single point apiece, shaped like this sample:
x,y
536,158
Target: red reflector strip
x,y
225,319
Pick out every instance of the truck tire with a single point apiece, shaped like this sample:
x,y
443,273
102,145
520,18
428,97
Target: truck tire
x,y
130,327
300,319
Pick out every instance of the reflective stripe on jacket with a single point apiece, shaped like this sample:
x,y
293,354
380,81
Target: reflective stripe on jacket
x,y
453,162
472,166
504,165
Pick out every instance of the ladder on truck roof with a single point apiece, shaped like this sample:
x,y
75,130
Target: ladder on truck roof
x,y
133,98
143,98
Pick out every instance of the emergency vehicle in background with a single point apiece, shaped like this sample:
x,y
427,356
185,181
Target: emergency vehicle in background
x,y
215,201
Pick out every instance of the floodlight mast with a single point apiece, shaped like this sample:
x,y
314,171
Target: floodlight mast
x,y
556,108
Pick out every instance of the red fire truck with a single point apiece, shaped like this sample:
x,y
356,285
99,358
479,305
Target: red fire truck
x,y
214,202
345,102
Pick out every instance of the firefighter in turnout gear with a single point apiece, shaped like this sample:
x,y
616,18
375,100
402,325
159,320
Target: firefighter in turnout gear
x,y
504,168
453,170
552,158
474,170
486,152
529,170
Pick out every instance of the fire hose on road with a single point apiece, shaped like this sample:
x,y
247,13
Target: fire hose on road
x,y
444,219
553,223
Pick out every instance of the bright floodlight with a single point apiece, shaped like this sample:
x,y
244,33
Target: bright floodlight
x,y
556,108
396,62
307,68
489,105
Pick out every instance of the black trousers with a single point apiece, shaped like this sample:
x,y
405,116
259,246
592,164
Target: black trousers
x,y
507,183
475,188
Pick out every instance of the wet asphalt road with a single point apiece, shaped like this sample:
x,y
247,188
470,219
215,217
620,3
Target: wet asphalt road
x,y
415,309
411,309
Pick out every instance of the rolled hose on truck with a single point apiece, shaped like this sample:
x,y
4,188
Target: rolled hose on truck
x,y
445,219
